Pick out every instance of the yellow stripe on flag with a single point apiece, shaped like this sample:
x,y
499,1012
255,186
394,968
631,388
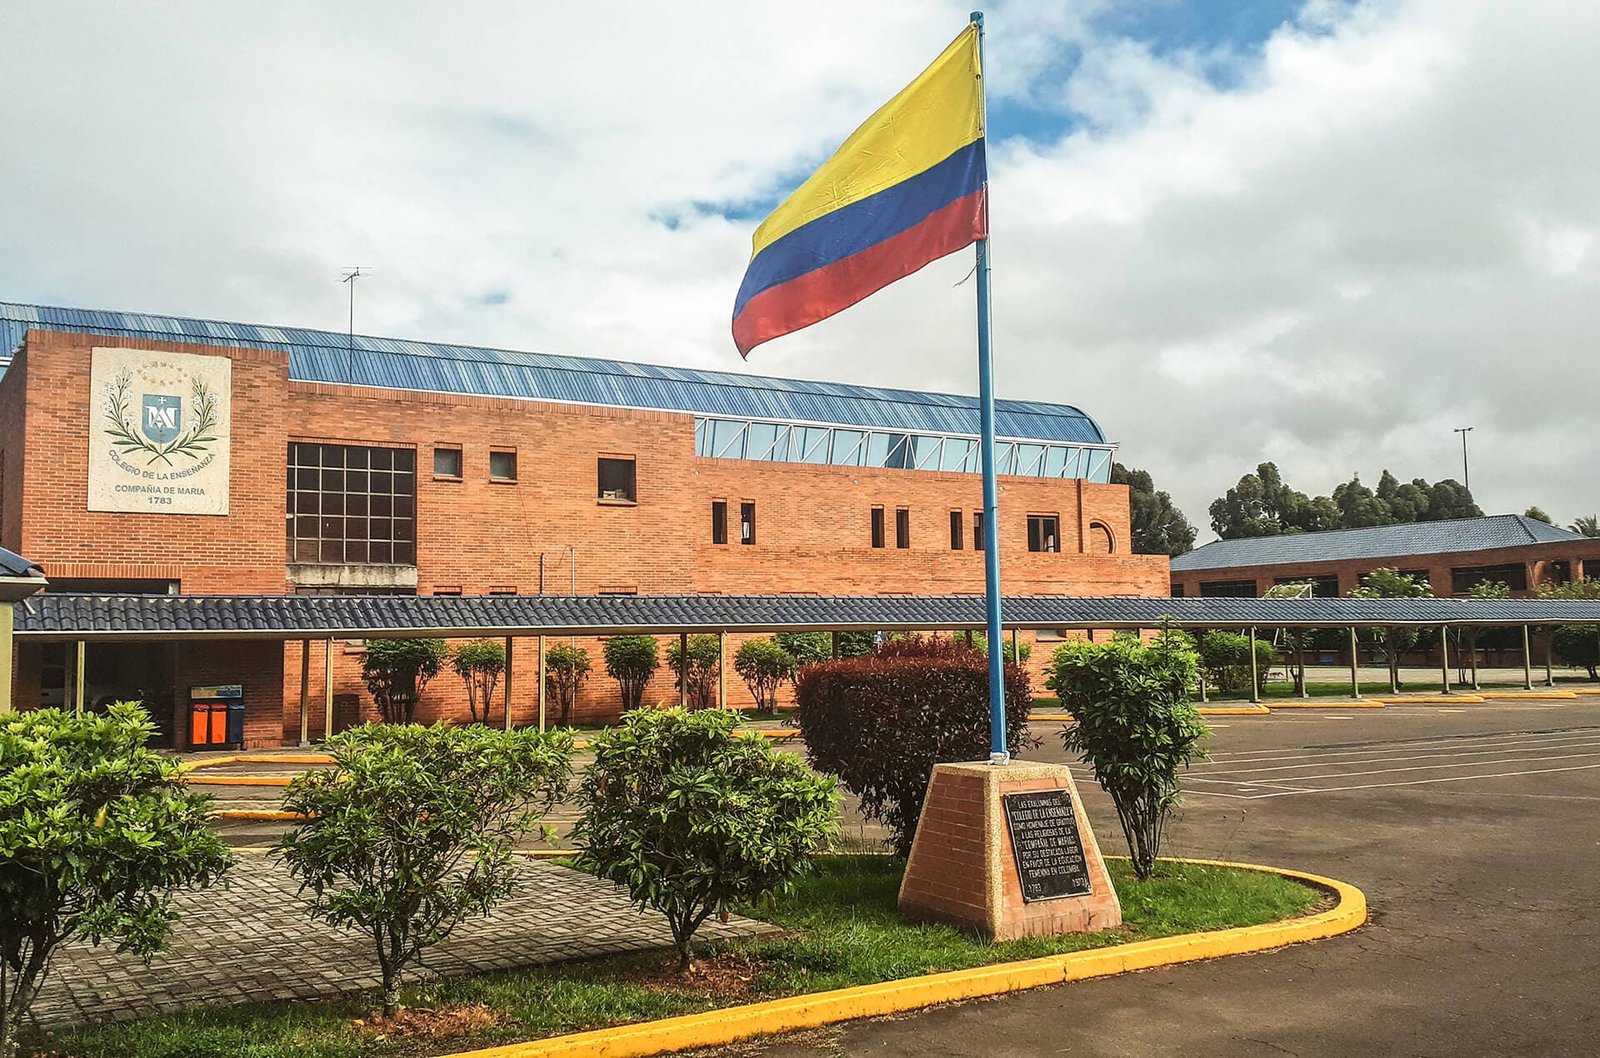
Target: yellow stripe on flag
x,y
929,120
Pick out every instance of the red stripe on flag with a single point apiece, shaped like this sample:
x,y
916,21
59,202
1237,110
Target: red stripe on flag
x,y
821,293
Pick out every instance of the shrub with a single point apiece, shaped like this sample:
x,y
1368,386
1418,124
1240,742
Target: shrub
x,y
631,661
808,648
565,668
1008,650
411,830
881,722
693,819
1134,725
1392,643
1225,656
97,832
480,664
1576,644
700,675
396,671
763,665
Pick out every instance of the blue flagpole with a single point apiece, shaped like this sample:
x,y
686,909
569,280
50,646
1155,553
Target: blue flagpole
x,y
998,753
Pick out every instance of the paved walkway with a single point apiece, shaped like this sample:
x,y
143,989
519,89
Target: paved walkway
x,y
249,940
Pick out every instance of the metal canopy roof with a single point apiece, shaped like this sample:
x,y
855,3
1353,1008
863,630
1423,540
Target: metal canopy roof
x,y
1378,541
151,617
325,356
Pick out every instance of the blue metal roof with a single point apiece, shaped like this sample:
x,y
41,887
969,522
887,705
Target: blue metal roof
x,y
325,356
1377,542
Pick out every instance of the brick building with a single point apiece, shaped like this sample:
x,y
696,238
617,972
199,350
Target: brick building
x,y
1452,556
157,455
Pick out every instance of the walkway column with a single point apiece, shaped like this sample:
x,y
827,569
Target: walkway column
x,y
541,683
7,610
508,687
835,637
1472,649
1527,661
1255,684
722,670
327,691
305,692
1355,660
1200,670
1444,657
1549,648
77,682
683,670
1300,663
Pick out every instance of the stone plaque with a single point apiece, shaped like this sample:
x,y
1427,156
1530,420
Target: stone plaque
x,y
1047,846
160,428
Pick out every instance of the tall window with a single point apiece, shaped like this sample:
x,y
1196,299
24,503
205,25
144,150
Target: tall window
x,y
719,521
747,523
617,479
877,527
352,504
958,532
1044,532
902,527
977,530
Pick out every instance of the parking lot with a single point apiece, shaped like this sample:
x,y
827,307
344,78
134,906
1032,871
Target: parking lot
x,y
1473,829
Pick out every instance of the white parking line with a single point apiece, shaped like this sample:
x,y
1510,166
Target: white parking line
x,y
1408,782
1499,742
1398,760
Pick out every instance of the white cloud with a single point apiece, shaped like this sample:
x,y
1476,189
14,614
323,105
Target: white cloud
x,y
1381,228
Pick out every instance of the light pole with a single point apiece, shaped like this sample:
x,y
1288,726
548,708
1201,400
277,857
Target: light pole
x,y
1466,475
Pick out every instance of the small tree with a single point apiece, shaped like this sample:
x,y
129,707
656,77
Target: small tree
x,y
763,665
396,671
631,661
1392,642
1134,725
1012,652
480,664
808,648
1576,644
97,832
565,668
693,819
1225,656
701,673
411,830
881,722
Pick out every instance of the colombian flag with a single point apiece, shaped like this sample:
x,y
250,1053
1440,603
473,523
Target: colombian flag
x,y
907,187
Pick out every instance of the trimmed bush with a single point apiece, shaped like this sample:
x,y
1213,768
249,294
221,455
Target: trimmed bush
x,y
808,648
1225,656
1134,725
1008,650
763,665
480,664
881,722
694,819
566,667
396,671
631,661
97,832
700,675
1577,645
411,831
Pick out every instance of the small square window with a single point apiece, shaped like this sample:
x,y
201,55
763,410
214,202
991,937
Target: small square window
x,y
1044,532
447,463
617,479
502,465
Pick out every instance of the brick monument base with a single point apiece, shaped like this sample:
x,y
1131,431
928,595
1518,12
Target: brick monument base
x,y
963,865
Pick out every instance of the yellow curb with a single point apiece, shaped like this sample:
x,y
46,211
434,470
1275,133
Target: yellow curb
x,y
210,762
1233,710
718,1027
1063,718
284,758
1334,703
240,780
1431,699
770,734
268,814
545,854
1525,693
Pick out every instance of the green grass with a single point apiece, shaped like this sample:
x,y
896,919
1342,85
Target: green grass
x,y
842,929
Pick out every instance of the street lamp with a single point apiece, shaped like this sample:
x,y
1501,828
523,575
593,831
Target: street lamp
x,y
1466,476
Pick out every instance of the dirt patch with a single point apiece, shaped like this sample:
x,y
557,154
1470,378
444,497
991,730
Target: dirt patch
x,y
729,973
429,1022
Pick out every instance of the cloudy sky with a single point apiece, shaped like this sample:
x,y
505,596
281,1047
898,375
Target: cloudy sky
x,y
1314,231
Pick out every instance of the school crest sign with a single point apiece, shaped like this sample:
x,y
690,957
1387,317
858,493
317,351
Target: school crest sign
x,y
160,424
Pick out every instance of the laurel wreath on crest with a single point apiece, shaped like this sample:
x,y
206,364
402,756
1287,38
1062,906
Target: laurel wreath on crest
x,y
125,435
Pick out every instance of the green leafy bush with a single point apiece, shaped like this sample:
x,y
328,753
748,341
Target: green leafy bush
x,y
1014,653
396,671
763,665
693,819
631,661
1392,643
97,832
1225,656
411,830
1134,725
566,667
808,648
480,665
881,722
701,673
1576,644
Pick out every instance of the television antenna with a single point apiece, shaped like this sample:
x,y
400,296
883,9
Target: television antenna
x,y
350,276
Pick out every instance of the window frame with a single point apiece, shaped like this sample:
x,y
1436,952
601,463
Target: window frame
x,y
747,522
499,479
461,462
719,522
958,531
877,526
1048,543
331,486
902,528
629,496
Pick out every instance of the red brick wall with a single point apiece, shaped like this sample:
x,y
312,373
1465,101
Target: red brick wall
x,y
258,666
13,392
